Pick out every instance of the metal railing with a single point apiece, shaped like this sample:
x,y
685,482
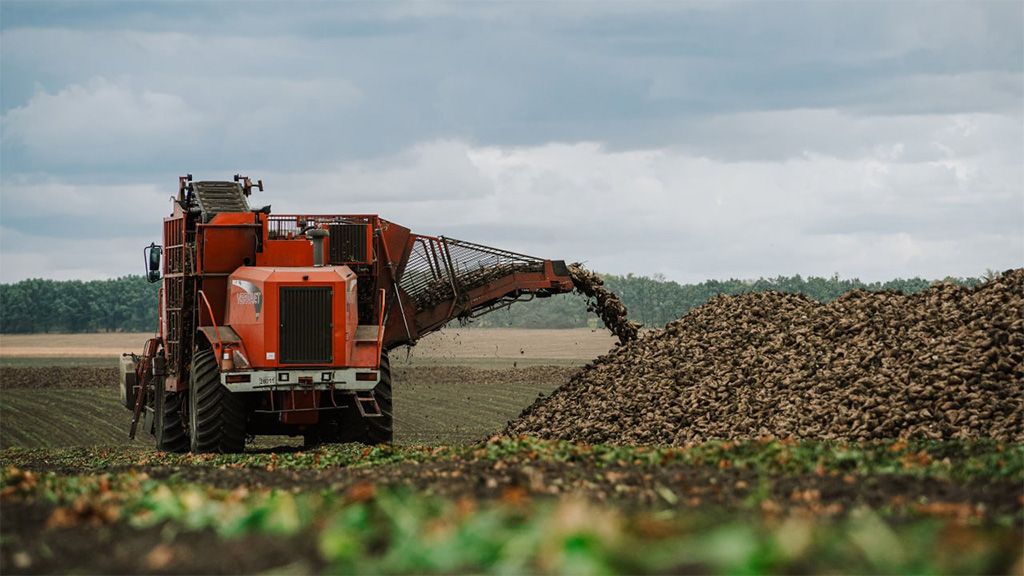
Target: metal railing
x,y
439,269
290,226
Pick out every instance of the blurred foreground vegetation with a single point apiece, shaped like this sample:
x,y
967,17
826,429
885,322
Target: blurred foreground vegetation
x,y
129,304
371,526
368,530
958,460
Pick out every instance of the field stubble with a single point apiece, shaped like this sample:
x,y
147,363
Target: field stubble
x,y
455,386
79,406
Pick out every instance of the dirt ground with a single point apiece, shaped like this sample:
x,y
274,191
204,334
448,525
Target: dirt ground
x,y
45,406
455,386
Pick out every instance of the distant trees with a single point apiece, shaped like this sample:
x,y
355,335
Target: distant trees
x,y
654,301
129,304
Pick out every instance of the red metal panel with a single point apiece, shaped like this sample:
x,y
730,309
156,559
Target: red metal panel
x,y
247,311
286,253
222,249
215,289
304,403
260,330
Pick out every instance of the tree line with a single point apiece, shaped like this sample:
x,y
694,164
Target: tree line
x,y
129,303
126,304
654,301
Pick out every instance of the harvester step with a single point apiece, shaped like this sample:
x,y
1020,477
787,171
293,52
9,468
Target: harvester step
x,y
366,402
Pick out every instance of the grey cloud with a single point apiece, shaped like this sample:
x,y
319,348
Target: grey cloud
x,y
361,81
697,140
654,211
928,220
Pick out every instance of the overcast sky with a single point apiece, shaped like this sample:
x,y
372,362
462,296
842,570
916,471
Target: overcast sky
x,y
695,140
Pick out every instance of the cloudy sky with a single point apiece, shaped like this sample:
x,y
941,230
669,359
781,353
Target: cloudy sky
x,y
694,140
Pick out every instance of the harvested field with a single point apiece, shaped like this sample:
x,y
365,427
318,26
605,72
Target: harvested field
x,y
456,386
457,404
111,344
942,364
79,406
504,346
66,377
630,476
53,417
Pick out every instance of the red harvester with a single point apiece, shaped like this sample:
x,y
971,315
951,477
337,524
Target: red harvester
x,y
281,324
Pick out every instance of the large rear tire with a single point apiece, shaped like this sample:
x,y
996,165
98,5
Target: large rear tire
x,y
169,429
217,417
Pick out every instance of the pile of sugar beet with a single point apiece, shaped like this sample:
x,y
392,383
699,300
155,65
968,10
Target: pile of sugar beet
x,y
945,363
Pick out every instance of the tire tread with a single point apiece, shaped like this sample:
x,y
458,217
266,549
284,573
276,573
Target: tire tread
x,y
219,416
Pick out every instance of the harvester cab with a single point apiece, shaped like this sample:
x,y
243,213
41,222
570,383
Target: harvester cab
x,y
281,324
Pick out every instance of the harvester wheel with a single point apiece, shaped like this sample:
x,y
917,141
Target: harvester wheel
x,y
169,428
216,415
379,430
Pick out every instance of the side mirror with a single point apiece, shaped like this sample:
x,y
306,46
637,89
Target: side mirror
x,y
151,254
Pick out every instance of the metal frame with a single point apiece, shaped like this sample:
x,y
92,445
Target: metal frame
x,y
269,380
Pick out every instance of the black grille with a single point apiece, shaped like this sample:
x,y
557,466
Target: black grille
x,y
348,243
306,323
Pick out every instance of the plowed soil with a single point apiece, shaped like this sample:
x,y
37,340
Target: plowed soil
x,y
51,406
68,377
941,364
456,386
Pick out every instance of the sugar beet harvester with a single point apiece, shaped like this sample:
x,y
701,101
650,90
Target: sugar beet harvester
x,y
281,324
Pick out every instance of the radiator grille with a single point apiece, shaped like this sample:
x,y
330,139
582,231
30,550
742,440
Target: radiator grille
x,y
306,324
348,243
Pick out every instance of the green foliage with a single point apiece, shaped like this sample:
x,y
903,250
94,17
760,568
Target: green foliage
x,y
655,301
370,529
127,304
960,460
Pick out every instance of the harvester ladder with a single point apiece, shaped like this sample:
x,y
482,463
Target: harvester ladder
x,y
367,404
143,370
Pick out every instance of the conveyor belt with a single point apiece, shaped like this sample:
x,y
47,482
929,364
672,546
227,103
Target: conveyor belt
x,y
217,197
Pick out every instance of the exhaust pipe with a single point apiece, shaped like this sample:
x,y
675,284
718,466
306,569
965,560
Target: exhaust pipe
x,y
318,237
